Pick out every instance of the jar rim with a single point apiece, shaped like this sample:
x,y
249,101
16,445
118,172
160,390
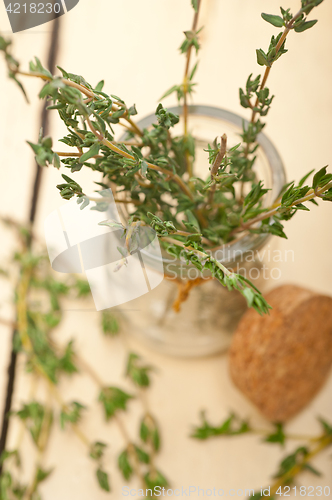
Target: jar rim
x,y
249,241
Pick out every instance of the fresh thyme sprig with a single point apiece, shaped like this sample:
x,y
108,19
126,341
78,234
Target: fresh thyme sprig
x,y
149,430
39,310
184,90
256,95
290,466
151,172
12,64
299,461
136,458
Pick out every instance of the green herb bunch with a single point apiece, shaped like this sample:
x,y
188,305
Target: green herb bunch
x,y
152,171
290,467
39,311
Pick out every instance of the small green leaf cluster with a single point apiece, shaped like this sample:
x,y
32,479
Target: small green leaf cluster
x,y
322,179
252,204
13,454
70,188
12,64
179,89
42,320
38,420
299,23
138,372
149,432
136,456
194,4
113,399
154,479
308,5
52,363
278,436
252,86
97,450
71,413
82,287
293,198
243,158
44,155
34,414
191,40
11,488
124,460
232,426
299,456
269,57
163,228
165,118
37,67
103,480
110,324
295,458
187,87
262,96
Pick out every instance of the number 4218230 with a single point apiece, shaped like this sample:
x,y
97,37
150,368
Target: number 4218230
x,y
34,8
310,491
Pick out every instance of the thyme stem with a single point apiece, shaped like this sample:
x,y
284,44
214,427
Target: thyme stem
x,y
203,255
268,68
130,447
216,165
119,151
22,324
88,93
274,209
295,437
325,441
185,90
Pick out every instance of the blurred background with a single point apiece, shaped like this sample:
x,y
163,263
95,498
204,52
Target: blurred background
x,y
133,46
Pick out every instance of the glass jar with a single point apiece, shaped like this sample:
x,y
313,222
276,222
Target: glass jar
x,y
203,323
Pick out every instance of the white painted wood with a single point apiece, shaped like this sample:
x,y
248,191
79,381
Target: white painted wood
x,y
136,53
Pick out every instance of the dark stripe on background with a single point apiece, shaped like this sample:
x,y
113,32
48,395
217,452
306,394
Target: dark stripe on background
x,y
44,123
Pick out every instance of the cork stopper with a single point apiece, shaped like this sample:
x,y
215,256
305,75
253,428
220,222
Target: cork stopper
x,y
281,361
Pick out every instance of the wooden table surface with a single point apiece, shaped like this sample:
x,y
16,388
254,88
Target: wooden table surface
x,y
136,53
